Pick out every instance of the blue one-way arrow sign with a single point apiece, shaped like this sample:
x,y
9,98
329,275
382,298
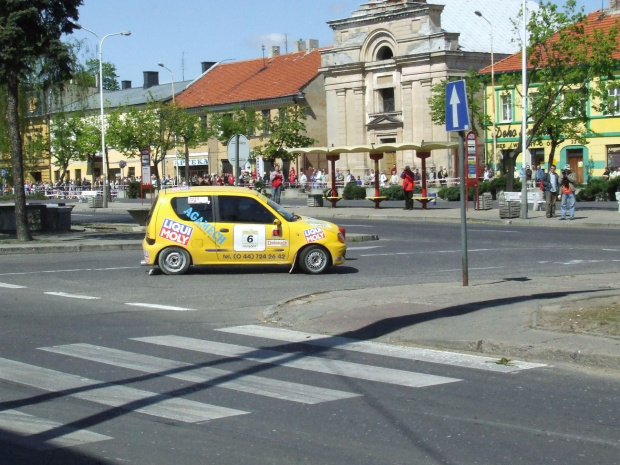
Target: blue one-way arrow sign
x,y
457,111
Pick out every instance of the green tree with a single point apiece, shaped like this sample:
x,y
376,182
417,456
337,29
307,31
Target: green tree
x,y
132,129
285,131
188,130
74,137
91,71
569,63
240,121
30,34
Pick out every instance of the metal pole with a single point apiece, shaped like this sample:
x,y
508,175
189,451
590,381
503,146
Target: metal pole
x,y
236,168
524,114
463,211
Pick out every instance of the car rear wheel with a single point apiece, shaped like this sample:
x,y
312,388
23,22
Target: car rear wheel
x,y
313,260
174,260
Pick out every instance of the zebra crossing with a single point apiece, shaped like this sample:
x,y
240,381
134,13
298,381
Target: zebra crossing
x,y
46,433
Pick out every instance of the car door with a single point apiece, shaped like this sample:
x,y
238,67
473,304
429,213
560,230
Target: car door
x,y
196,212
254,233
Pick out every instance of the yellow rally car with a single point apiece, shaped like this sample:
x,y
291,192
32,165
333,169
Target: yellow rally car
x,y
234,225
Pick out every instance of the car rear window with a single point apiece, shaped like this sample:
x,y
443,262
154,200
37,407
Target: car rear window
x,y
203,205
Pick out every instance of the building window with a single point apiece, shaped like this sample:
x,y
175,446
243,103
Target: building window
x,y
531,104
385,101
613,103
574,104
265,119
506,103
385,53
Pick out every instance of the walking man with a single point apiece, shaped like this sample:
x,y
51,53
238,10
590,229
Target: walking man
x,y
552,185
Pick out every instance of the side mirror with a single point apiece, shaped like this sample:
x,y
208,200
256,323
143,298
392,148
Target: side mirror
x,y
277,222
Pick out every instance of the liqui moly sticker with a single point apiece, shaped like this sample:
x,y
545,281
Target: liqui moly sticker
x,y
198,200
314,234
176,232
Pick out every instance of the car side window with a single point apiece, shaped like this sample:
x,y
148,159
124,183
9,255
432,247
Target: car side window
x,y
185,206
237,209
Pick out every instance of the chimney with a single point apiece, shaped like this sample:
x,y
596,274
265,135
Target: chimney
x,y
299,45
125,85
207,65
311,44
274,51
151,78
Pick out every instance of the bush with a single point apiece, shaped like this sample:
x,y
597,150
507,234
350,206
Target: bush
x,y
35,196
353,192
453,194
597,189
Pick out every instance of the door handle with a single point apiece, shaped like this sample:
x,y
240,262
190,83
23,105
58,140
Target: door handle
x,y
224,230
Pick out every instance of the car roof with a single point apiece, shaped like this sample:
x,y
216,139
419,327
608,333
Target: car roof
x,y
207,190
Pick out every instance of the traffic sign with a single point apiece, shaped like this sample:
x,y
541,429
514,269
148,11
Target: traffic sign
x,y
244,150
457,111
4,173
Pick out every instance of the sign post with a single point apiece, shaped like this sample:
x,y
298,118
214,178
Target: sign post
x,y
238,151
145,179
472,164
457,119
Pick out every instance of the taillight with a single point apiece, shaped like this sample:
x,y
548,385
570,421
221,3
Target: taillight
x,y
342,231
341,238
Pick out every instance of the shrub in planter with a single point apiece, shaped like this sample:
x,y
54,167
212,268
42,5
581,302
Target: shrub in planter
x,y
596,189
393,193
354,192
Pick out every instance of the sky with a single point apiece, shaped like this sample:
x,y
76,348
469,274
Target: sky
x,y
183,33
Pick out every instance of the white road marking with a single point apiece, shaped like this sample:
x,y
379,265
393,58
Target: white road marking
x,y
379,348
160,307
26,426
104,393
302,362
12,286
72,296
364,248
283,390
77,270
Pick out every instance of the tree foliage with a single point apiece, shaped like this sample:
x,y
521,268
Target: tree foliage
x,y
91,71
31,35
569,65
287,130
74,137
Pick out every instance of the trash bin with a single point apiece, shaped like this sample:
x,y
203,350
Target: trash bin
x,y
485,201
315,200
509,209
433,202
95,202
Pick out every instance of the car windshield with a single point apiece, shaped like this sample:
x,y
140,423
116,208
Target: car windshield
x,y
288,216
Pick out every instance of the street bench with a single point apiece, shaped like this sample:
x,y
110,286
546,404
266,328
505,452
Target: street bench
x,y
424,200
534,197
376,200
85,195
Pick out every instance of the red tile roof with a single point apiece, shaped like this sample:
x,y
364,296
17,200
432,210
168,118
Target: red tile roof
x,y
278,76
599,20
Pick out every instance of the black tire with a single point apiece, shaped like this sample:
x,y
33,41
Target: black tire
x,y
314,259
174,260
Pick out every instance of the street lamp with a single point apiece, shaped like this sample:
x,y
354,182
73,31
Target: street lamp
x,y
524,114
175,137
104,157
172,74
492,94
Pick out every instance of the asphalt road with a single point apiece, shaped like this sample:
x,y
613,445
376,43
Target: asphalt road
x,y
65,397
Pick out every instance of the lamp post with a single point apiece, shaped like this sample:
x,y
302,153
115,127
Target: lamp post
x,y
175,137
494,115
524,114
104,157
172,74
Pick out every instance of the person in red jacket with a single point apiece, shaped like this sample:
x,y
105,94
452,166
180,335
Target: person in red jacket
x,y
276,179
408,184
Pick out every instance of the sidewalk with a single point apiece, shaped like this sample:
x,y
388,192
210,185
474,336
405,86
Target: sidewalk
x,y
495,318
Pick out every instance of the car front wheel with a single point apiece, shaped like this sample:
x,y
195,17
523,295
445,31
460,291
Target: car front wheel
x,y
174,260
313,260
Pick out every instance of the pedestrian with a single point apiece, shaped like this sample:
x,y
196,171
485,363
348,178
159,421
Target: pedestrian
x,y
540,174
292,175
408,184
303,180
394,179
383,179
552,185
276,177
568,193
